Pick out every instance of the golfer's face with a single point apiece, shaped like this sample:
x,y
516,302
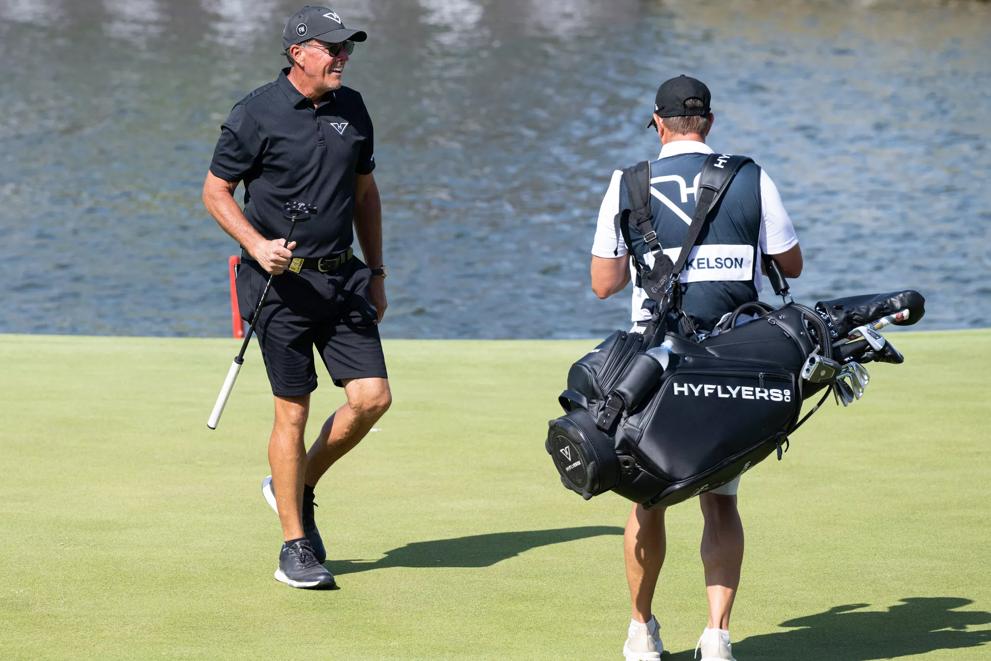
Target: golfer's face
x,y
324,66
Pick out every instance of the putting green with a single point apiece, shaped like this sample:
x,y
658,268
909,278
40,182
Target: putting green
x,y
129,530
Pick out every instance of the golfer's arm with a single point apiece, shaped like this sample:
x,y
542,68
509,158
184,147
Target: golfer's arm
x,y
218,198
368,219
609,275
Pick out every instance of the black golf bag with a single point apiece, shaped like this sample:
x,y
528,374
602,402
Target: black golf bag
x,y
660,422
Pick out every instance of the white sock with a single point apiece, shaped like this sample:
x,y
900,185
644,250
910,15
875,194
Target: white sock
x,y
643,627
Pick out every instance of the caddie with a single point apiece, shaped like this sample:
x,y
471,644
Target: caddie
x,y
721,273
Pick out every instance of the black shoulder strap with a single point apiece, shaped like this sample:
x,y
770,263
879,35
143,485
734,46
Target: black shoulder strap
x,y
636,181
717,173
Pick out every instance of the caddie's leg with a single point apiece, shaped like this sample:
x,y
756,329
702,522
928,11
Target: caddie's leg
x,y
367,400
286,456
722,555
644,545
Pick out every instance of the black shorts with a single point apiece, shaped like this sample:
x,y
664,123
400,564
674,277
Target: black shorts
x,y
329,311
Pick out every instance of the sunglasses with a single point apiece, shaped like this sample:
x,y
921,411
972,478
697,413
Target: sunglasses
x,y
332,49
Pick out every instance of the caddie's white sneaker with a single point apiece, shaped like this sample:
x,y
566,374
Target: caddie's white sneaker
x,y
643,641
715,646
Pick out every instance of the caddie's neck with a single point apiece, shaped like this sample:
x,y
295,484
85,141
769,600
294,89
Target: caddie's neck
x,y
667,136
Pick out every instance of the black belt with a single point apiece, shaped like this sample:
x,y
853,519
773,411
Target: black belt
x,y
322,264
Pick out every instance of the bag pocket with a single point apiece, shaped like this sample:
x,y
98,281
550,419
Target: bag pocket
x,y
701,417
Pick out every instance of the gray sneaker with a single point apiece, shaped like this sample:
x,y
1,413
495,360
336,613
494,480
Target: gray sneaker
x,y
309,522
298,567
643,641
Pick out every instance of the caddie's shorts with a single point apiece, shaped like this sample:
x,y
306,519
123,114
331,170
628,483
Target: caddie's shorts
x,y
327,311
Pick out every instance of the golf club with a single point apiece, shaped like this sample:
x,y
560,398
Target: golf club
x,y
865,344
295,211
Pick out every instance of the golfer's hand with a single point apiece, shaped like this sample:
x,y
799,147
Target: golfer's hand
x,y
376,292
273,255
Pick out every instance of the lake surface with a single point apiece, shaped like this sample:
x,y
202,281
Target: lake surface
x,y
498,125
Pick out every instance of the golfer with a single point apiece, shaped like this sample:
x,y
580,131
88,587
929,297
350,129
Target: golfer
x,y
721,273
306,138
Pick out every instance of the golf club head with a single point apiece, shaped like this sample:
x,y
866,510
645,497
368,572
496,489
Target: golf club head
x,y
296,210
889,354
874,339
855,386
860,373
842,392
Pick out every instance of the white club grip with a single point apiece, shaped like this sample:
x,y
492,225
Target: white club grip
x,y
225,392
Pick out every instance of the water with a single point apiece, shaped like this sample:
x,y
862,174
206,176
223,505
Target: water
x,y
498,125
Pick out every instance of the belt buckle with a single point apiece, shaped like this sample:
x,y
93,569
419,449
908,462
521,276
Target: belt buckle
x,y
325,264
296,265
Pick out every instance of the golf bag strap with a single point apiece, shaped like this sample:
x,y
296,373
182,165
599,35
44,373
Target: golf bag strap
x,y
636,181
717,173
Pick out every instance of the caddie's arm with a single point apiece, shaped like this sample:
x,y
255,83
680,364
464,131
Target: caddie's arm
x,y
218,198
368,227
610,275
790,261
778,238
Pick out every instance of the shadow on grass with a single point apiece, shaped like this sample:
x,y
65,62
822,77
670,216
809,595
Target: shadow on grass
x,y
844,633
472,551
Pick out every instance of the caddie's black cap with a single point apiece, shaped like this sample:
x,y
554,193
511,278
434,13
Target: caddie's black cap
x,y
313,22
672,94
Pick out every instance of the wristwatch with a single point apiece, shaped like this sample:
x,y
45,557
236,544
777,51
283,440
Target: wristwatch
x,y
379,271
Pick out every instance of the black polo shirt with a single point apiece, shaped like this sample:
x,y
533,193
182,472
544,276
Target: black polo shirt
x,y
284,149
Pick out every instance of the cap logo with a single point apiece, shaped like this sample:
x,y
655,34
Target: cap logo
x,y
332,15
301,29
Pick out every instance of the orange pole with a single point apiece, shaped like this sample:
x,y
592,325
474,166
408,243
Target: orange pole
x,y
237,326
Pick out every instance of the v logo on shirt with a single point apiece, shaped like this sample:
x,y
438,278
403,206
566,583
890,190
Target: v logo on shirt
x,y
339,126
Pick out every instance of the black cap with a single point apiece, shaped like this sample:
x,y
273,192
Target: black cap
x,y
672,94
313,22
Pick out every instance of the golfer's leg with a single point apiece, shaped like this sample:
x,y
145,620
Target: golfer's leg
x,y
367,400
644,546
722,555
286,456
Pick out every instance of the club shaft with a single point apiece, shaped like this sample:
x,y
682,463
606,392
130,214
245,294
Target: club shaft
x,y
897,317
261,301
235,368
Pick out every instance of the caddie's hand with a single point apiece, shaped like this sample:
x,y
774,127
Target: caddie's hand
x,y
273,255
376,292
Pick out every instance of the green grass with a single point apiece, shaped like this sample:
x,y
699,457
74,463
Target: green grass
x,y
129,530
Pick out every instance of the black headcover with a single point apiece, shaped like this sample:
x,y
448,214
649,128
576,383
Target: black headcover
x,y
847,313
